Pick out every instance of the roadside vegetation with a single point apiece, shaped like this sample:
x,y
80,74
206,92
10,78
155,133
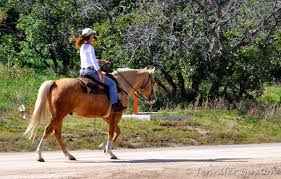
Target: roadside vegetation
x,y
205,126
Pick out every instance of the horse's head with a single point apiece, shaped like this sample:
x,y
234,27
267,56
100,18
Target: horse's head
x,y
137,80
147,86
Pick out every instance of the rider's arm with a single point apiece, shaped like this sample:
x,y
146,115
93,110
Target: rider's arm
x,y
93,58
95,63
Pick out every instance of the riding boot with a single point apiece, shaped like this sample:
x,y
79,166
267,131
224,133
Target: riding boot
x,y
118,107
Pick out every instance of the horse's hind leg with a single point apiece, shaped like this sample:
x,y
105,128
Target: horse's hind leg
x,y
49,129
60,141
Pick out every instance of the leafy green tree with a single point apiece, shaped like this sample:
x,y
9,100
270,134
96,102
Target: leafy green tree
x,y
202,42
204,50
49,34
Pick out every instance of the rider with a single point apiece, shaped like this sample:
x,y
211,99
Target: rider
x,y
90,65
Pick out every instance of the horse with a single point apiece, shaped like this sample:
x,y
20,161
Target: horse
x,y
67,95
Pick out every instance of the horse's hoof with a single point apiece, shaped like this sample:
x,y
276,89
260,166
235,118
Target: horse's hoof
x,y
40,160
72,158
113,157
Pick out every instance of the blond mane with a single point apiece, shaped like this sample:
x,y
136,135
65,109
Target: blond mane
x,y
131,69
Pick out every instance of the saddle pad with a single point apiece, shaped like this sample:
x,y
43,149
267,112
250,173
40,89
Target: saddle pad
x,y
90,86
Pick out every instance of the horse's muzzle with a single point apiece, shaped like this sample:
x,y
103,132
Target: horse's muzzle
x,y
152,100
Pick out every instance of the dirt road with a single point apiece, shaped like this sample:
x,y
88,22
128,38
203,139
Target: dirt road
x,y
223,161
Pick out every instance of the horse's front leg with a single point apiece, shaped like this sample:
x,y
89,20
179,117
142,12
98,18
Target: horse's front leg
x,y
113,122
117,133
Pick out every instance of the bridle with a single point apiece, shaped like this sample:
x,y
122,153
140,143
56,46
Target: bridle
x,y
148,80
139,94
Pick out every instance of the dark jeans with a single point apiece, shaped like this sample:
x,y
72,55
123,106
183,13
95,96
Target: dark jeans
x,y
109,82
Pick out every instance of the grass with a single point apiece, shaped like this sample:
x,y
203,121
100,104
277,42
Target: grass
x,y
218,126
272,94
19,86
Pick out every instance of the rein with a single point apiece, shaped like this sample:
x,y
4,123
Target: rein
x,y
139,94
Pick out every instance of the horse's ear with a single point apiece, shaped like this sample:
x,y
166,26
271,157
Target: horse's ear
x,y
152,70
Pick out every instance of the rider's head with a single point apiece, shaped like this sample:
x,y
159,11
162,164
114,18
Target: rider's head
x,y
87,36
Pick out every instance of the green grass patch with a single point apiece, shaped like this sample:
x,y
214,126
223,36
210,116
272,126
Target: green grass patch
x,y
20,86
206,127
272,95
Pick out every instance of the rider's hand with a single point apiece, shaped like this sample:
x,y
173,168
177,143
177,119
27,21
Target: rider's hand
x,y
105,62
101,75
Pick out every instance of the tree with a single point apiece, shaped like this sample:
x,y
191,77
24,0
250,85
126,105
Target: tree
x,y
9,35
204,50
49,29
192,42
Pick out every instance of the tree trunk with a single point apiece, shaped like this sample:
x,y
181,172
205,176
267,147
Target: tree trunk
x,y
159,83
213,93
181,85
169,79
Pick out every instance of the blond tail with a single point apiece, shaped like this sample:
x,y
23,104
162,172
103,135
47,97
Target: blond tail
x,y
40,109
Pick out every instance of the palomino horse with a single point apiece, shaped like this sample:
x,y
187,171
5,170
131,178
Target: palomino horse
x,y
66,95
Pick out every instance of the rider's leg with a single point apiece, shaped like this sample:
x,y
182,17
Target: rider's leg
x,y
117,107
112,90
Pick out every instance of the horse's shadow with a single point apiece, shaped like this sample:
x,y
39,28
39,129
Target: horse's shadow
x,y
164,160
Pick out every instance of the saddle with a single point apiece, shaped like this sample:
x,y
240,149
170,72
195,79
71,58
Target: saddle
x,y
91,85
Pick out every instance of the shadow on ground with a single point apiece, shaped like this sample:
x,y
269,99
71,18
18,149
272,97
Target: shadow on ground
x,y
165,160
